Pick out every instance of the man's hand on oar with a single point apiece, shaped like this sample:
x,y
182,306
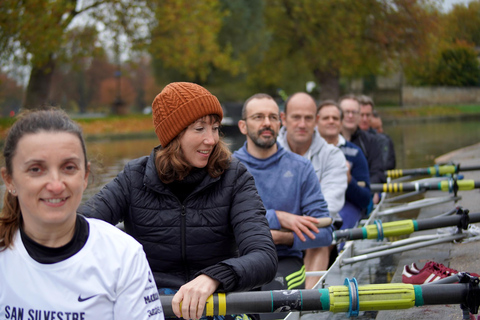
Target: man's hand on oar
x,y
301,225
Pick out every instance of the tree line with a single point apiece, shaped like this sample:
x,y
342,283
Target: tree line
x,y
84,55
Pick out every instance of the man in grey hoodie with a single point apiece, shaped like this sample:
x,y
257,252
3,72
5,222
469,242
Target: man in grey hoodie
x,y
299,135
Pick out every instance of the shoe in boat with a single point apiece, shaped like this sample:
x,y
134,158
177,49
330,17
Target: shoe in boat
x,y
431,264
425,275
431,271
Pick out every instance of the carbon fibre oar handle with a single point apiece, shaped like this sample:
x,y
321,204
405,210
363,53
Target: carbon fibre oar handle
x,y
437,170
417,186
389,296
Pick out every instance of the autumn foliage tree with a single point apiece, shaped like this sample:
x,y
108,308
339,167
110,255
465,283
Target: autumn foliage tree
x,y
78,86
184,37
43,33
331,39
462,23
452,56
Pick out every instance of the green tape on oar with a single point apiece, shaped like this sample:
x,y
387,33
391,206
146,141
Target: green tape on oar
x,y
324,299
415,225
418,296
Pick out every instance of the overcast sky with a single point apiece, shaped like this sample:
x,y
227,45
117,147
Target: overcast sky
x,y
447,4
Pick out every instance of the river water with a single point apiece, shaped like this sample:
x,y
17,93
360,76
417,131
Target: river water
x,y
416,146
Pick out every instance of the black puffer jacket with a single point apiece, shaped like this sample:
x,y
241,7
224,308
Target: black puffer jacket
x,y
369,145
219,230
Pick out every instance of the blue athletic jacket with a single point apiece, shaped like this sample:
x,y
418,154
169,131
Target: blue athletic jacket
x,y
287,182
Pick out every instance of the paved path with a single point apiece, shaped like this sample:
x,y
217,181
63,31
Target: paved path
x,y
462,256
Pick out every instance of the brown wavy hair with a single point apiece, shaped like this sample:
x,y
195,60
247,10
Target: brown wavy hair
x,y
171,164
30,122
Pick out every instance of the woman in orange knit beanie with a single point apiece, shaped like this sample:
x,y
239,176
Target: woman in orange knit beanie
x,y
193,207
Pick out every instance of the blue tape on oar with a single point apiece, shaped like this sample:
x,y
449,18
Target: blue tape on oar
x,y
354,307
379,225
437,170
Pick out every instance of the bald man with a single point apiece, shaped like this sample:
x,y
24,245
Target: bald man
x,y
299,135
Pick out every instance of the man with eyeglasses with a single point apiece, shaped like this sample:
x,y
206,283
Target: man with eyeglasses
x,y
299,135
366,141
296,209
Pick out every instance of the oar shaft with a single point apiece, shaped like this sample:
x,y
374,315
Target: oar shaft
x,y
334,299
402,227
446,221
397,173
416,186
434,170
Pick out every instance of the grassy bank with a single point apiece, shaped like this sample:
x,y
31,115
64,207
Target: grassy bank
x,y
108,125
139,123
427,111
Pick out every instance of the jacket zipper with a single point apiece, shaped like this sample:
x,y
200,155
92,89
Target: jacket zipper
x,y
183,231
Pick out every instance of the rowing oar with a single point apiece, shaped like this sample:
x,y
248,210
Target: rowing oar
x,y
446,185
436,170
349,298
379,230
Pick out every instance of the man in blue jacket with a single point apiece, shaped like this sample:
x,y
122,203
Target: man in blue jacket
x,y
296,209
357,197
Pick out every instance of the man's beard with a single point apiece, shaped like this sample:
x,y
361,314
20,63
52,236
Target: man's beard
x,y
261,143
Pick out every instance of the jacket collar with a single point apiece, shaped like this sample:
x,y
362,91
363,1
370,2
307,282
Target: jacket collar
x,y
152,180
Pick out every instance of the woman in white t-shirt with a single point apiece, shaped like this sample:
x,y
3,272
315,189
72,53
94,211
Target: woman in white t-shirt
x,y
54,263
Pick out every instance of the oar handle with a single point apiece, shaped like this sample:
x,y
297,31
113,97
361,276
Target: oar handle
x,y
446,185
390,296
438,170
435,170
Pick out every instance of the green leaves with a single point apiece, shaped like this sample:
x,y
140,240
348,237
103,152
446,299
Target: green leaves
x,y
185,38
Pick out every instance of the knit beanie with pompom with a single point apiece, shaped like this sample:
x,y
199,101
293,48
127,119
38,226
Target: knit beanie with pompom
x,y
178,106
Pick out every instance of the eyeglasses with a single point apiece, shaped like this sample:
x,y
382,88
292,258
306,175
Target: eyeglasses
x,y
352,112
258,117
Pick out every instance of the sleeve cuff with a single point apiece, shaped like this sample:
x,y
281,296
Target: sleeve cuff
x,y
222,273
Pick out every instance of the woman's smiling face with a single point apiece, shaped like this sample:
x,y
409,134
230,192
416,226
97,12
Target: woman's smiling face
x,y
49,176
199,140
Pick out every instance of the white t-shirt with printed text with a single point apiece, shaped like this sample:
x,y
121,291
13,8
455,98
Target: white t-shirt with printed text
x,y
109,278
